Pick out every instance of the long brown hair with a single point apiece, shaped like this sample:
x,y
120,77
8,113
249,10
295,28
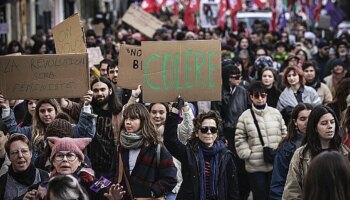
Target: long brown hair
x,y
292,128
38,127
139,111
328,177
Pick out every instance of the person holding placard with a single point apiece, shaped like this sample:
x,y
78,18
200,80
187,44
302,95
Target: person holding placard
x,y
45,112
208,167
145,167
108,109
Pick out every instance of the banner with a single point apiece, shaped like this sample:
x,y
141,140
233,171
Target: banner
x,y
130,71
44,76
209,13
190,69
69,36
142,21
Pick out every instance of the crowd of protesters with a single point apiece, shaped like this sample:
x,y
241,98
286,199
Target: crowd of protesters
x,y
283,121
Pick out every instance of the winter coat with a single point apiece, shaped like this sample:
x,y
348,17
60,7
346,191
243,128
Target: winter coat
x,y
5,166
189,158
295,177
324,93
288,99
86,127
232,106
147,179
10,186
280,167
247,142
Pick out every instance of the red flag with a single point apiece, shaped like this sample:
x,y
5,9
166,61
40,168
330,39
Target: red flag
x,y
260,3
189,17
223,8
273,26
235,6
152,6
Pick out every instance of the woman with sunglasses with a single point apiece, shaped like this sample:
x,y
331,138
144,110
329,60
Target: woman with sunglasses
x,y
208,168
262,120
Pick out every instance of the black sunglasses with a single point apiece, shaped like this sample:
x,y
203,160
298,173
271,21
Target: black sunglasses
x,y
236,77
205,129
262,95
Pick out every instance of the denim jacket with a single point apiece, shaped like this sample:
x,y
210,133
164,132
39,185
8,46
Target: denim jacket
x,y
86,127
281,166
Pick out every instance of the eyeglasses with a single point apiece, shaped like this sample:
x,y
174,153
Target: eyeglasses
x,y
23,151
70,156
212,129
262,95
237,77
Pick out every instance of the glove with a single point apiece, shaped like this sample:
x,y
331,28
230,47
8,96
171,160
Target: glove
x,y
179,104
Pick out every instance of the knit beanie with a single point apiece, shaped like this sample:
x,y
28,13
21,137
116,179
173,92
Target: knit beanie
x,y
75,145
59,127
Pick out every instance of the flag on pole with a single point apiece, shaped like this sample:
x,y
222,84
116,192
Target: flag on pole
x,y
152,6
335,13
235,6
189,15
260,3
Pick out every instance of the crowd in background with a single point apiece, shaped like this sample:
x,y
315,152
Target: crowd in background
x,y
285,92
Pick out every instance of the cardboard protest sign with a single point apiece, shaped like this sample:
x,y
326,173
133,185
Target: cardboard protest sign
x,y
98,28
44,76
191,69
130,67
142,21
324,22
94,55
69,36
209,13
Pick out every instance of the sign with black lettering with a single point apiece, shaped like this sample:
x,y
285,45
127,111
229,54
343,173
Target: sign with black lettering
x,y
44,76
69,36
190,69
141,20
130,67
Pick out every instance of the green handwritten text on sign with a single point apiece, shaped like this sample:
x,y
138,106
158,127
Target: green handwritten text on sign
x,y
191,69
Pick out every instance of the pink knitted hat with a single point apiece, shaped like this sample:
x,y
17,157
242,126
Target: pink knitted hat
x,y
75,145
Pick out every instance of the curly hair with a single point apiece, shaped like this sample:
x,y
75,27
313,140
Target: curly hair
x,y
197,122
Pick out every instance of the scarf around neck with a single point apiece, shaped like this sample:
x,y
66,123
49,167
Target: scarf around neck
x,y
213,153
26,177
131,140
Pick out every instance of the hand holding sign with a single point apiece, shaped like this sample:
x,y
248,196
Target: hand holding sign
x,y
87,98
137,92
4,103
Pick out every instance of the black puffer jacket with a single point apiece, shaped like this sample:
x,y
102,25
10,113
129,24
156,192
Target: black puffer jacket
x,y
188,156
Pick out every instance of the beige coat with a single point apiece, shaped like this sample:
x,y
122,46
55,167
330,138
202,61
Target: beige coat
x,y
325,94
295,177
247,141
